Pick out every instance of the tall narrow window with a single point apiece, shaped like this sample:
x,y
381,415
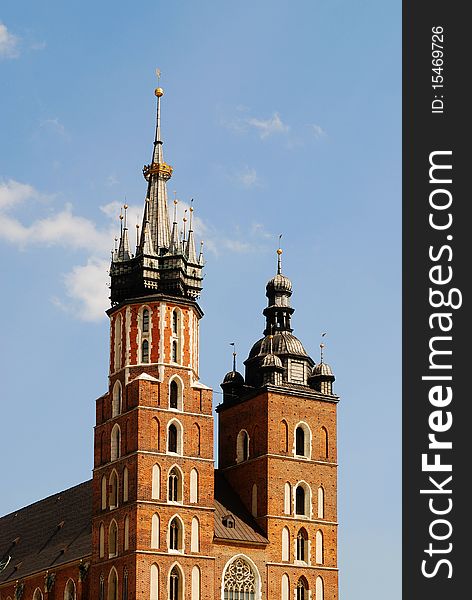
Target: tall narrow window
x,y
117,345
155,531
145,328
145,351
172,441
319,589
175,322
285,587
116,402
302,545
113,540
195,536
175,534
174,351
113,499
300,441
300,500
242,446
101,541
319,547
196,576
38,594
154,582
125,585
126,534
115,442
70,591
320,502
113,585
104,492
175,486
302,589
156,482
175,584
324,449
287,498
285,544
198,438
284,436
101,592
194,486
125,484
156,434
173,394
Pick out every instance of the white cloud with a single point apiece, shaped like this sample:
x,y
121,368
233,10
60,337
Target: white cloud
x,y
269,126
317,131
13,193
8,43
53,124
247,177
87,289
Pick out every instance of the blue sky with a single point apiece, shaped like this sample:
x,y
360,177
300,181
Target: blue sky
x,y
277,119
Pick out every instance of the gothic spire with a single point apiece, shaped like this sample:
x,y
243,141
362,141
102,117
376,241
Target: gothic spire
x,y
190,250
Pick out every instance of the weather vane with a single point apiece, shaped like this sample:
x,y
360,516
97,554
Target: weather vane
x,y
322,347
158,75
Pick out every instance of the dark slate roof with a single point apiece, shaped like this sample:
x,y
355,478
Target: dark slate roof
x,y
48,533
228,503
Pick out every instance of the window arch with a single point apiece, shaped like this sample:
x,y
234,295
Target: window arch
x,y
38,594
175,485
145,351
302,589
284,435
176,393
195,536
116,401
70,591
196,583
242,446
303,499
197,436
117,343
285,587
176,326
254,501
156,482
156,434
241,580
319,547
104,492
174,437
113,499
101,541
193,486
113,539
285,544
145,320
125,484
155,531
176,583
115,445
302,545
324,447
319,586
113,584
101,589
320,502
175,535
126,534
125,584
302,441
287,498
154,582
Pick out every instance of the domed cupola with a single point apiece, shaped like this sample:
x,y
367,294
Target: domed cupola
x,y
278,339
322,378
232,384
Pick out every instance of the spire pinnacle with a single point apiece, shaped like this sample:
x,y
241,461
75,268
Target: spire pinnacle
x,y
234,355
279,257
322,346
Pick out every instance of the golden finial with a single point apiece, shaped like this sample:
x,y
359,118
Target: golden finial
x,y
279,257
158,91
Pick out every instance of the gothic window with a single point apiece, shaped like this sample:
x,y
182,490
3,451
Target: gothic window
x,y
320,502
156,434
115,444
113,585
125,484
242,446
174,351
101,541
113,539
319,547
175,486
101,589
117,346
324,443
145,351
285,587
302,589
195,536
174,437
197,435
154,582
126,534
145,328
104,492
113,499
319,588
285,544
287,498
284,436
156,482
173,394
194,486
302,440
196,577
176,535
125,585
69,592
175,584
175,322
116,402
302,500
239,581
38,595
155,531
302,545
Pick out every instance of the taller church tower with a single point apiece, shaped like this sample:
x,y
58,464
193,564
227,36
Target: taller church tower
x,y
153,498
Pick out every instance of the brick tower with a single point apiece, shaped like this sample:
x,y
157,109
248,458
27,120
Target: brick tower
x,y
153,492
277,447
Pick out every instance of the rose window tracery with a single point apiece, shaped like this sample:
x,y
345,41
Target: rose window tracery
x,y
239,581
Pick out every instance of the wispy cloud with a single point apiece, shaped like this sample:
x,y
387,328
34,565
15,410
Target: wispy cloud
x,y
53,124
267,127
317,130
247,177
9,43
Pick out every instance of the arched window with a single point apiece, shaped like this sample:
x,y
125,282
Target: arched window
x,y
154,582
104,492
254,501
319,588
324,448
156,482
287,499
174,351
302,589
175,322
101,541
196,583
319,547
156,434
145,351
117,345
126,534
175,584
193,486
125,584
115,442
38,594
299,441
70,591
125,484
113,584
285,587
113,499
155,531
176,537
303,500
320,502
242,446
116,402
239,581
284,436
145,322
302,545
101,589
195,536
176,394
175,492
197,435
285,544
113,539
174,437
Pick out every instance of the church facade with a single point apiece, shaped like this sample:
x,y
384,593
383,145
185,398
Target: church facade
x,y
158,521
